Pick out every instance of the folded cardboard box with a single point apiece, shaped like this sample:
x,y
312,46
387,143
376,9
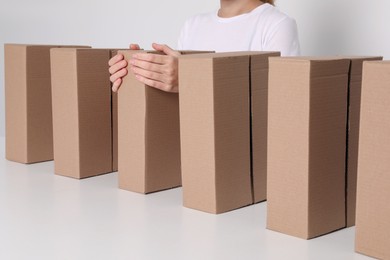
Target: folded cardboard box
x,y
215,116
81,112
307,117
354,97
28,104
148,134
215,131
373,185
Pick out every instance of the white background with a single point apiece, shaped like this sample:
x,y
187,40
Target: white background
x,y
353,27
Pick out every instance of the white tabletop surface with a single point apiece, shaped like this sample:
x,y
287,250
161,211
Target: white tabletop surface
x,y
44,216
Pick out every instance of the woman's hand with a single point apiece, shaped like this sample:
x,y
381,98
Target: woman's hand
x,y
118,68
156,70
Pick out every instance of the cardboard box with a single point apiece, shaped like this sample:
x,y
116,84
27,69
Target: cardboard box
x,y
148,134
149,137
373,185
259,113
81,112
354,96
29,134
257,76
215,128
307,117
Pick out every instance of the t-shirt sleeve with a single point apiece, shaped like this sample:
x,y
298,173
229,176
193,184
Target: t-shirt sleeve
x,y
284,38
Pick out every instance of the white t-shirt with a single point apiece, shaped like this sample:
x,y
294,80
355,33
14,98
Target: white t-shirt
x,y
263,29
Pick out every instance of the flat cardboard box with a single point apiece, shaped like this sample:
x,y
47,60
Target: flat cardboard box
x,y
29,134
215,130
81,112
149,136
259,113
354,96
307,113
373,185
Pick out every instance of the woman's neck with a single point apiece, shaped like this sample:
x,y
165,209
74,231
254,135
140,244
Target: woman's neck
x,y
231,8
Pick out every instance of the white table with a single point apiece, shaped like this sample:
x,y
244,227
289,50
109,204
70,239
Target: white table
x,y
44,216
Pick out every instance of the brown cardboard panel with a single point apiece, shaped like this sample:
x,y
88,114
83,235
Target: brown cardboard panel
x,y
29,135
259,114
355,81
131,133
373,185
81,112
215,131
307,108
114,114
15,103
149,136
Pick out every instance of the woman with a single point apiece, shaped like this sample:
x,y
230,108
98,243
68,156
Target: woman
x,y
239,25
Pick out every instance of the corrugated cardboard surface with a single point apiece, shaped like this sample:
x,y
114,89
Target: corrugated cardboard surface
x,y
16,103
81,112
306,145
29,135
149,136
259,114
114,115
215,134
355,82
373,187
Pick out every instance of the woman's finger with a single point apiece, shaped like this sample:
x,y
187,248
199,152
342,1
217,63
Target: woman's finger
x,y
148,74
134,46
116,84
119,74
146,65
117,66
115,59
166,49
